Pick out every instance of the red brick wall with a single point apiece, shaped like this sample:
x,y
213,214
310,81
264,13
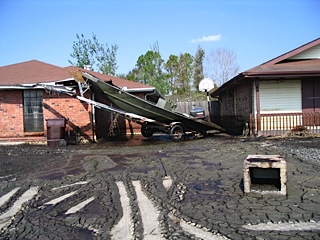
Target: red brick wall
x,y
58,106
78,114
54,106
132,128
11,114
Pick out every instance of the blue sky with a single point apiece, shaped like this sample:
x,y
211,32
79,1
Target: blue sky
x,y
255,30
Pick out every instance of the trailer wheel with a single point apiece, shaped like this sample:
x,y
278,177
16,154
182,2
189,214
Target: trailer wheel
x,y
146,130
176,132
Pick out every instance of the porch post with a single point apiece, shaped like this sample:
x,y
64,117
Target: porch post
x,y
258,127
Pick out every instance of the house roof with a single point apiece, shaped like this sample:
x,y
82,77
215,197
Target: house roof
x,y
294,52
34,71
290,63
301,67
31,72
119,82
303,61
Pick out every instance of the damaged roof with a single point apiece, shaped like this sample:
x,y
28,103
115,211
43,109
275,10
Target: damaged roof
x,y
34,71
119,82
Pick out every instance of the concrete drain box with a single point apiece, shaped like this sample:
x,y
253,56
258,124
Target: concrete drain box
x,y
265,173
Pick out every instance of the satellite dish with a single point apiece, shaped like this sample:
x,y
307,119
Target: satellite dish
x,y
206,85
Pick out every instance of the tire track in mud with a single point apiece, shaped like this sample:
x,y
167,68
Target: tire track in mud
x,y
6,217
123,229
73,210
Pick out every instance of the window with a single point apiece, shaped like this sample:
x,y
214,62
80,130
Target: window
x,y
32,110
280,96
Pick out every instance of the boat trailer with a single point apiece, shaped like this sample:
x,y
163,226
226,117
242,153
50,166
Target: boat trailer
x,y
174,129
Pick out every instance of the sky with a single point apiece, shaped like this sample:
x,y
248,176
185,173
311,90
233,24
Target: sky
x,y
256,31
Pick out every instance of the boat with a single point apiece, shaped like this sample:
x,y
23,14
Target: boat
x,y
157,108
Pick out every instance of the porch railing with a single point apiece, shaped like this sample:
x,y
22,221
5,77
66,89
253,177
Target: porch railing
x,y
282,123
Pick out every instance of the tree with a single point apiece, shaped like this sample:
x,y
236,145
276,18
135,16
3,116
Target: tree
x,y
91,52
173,76
149,70
83,52
133,75
106,57
171,66
198,67
184,74
221,65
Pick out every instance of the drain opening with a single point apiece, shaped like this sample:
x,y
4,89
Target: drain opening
x,y
265,179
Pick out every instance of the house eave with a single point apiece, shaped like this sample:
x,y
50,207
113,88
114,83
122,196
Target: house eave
x,y
247,76
282,74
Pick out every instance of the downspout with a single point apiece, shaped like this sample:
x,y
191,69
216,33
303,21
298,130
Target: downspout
x,y
258,119
251,113
94,136
148,94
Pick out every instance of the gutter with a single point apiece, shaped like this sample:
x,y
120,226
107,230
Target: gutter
x,y
19,87
32,85
125,89
282,74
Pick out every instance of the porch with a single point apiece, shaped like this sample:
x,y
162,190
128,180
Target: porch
x,y
285,124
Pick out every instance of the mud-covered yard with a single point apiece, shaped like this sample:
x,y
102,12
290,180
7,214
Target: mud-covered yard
x,y
158,189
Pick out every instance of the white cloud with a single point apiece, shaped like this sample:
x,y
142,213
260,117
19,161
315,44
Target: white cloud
x,y
211,38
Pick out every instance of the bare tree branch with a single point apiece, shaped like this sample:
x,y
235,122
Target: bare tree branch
x,y
221,65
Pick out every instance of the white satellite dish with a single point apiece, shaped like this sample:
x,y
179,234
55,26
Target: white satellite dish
x,y
206,85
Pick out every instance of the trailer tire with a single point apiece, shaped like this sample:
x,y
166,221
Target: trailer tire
x,y
177,132
146,131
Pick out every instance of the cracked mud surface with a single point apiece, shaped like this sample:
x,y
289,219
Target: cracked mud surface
x,y
206,192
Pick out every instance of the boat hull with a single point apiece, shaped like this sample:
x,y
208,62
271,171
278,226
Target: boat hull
x,y
139,106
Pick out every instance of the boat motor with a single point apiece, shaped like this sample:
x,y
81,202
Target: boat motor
x,y
198,112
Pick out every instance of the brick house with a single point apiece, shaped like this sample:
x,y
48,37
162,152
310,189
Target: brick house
x,y
25,106
275,97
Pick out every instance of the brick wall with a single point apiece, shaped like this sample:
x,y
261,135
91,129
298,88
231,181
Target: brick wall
x,y
54,106
237,101
227,103
78,114
11,114
235,108
243,100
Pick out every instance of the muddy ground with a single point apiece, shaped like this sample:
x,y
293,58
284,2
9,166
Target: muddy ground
x,y
206,190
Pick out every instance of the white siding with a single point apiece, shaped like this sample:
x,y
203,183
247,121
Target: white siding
x,y
280,96
310,53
